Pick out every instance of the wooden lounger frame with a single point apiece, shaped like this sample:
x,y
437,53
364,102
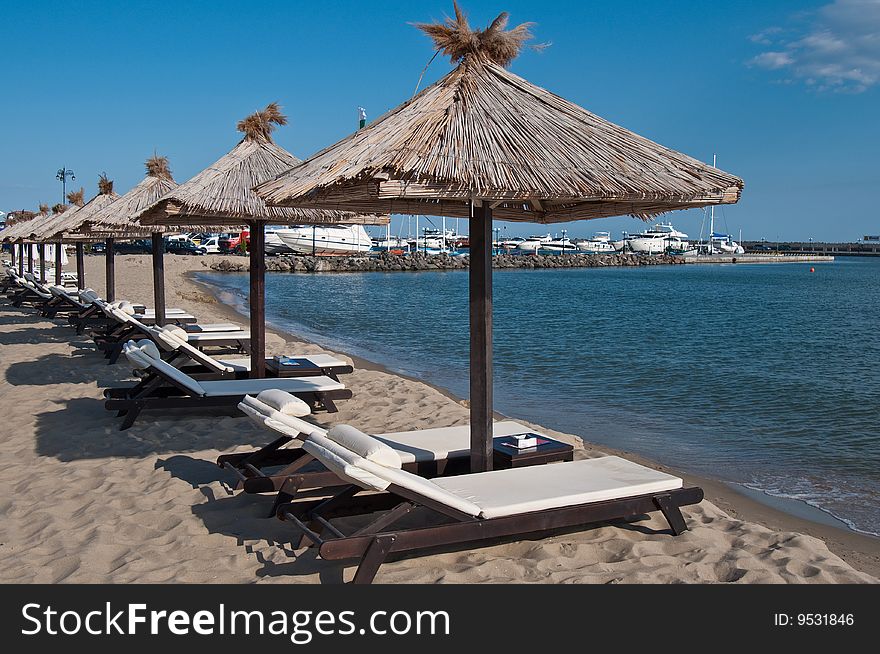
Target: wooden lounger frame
x,y
250,468
162,392
373,543
60,304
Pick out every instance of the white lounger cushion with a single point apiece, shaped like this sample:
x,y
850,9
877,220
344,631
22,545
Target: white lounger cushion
x,y
442,442
284,403
503,492
252,386
213,327
373,476
142,357
539,488
363,445
179,336
263,414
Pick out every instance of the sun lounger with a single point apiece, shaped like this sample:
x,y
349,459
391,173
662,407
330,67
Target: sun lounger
x,y
471,507
95,314
170,388
425,452
30,291
182,355
221,335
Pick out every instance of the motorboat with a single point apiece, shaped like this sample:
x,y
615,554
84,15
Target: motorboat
x,y
657,240
272,242
533,243
559,245
326,240
600,243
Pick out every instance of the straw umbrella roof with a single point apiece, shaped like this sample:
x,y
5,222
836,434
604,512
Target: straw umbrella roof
x,y
71,224
28,228
59,218
120,216
222,194
18,223
483,133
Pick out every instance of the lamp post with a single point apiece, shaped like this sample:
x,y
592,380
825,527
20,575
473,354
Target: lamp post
x,y
62,175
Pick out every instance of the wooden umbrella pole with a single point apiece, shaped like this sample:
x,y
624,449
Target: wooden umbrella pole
x,y
12,254
21,257
80,266
110,270
480,282
58,247
30,258
258,299
159,277
41,252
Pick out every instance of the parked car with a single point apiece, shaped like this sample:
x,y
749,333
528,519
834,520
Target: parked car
x,y
211,245
133,247
98,248
184,247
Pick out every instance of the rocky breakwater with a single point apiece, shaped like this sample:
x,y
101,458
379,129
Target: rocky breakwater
x,y
394,262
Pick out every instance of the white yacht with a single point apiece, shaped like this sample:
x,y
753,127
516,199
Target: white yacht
x,y
273,243
559,245
326,240
532,244
657,240
390,243
599,244
511,243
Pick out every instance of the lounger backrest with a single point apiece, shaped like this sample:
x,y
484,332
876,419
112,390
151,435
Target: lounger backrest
x,y
169,338
264,407
88,295
142,357
374,476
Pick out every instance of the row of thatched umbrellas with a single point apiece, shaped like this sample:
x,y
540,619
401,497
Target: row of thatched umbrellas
x,y
480,143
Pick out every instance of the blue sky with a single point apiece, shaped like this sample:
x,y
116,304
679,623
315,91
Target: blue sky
x,y
786,93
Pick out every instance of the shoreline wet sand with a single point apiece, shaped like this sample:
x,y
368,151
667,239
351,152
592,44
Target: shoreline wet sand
x,y
149,505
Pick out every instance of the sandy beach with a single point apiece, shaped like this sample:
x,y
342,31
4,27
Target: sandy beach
x,y
85,503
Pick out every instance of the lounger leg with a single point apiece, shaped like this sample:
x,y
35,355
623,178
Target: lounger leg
x,y
672,513
130,417
114,353
375,556
328,403
285,495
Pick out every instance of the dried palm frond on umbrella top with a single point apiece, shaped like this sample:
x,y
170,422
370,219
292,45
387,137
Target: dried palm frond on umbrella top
x,y
120,217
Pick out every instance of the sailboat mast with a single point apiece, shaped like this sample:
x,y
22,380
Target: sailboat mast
x,y
712,216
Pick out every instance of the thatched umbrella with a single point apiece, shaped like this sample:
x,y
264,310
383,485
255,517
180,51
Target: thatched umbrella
x,y
222,195
62,215
73,225
41,217
18,224
482,142
120,217
57,210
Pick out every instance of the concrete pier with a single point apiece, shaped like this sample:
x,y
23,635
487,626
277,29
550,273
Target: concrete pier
x,y
759,258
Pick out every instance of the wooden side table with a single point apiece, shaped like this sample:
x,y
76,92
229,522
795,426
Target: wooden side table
x,y
504,455
292,368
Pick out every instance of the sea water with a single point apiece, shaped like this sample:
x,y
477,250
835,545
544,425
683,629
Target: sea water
x,y
762,375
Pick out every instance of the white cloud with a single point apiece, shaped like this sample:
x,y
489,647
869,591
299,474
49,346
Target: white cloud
x,y
839,51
